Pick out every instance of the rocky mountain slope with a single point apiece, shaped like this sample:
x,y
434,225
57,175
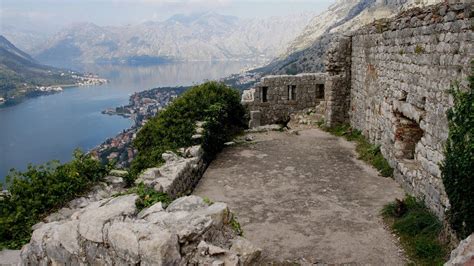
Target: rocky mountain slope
x,y
305,52
196,37
19,72
21,76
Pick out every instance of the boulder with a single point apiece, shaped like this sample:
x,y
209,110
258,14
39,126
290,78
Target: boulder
x,y
463,254
247,251
92,220
188,203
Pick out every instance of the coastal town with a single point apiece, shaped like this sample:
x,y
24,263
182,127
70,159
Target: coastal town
x,y
28,90
81,80
142,106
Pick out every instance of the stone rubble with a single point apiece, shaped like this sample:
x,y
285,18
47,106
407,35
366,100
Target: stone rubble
x,y
112,231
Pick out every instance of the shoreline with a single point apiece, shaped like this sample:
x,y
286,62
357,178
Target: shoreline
x,y
82,81
142,106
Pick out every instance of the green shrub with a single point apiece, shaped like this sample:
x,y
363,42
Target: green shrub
x,y
40,190
418,230
148,196
457,168
368,152
174,127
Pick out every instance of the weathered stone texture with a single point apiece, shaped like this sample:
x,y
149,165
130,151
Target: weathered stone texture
x,y
401,71
338,82
463,254
178,175
110,232
309,92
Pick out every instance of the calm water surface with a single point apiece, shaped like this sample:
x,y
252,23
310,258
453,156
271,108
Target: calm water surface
x,y
51,127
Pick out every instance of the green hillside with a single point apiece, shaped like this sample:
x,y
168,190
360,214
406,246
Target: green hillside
x,y
20,74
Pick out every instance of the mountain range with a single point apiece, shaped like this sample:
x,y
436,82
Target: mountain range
x,y
293,44
196,37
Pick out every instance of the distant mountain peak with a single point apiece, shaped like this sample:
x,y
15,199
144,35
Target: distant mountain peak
x,y
9,47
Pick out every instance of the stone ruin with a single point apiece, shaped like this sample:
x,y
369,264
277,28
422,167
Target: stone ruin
x,y
276,97
390,80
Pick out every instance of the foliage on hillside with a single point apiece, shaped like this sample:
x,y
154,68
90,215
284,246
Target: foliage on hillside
x,y
457,169
20,74
214,103
418,230
41,189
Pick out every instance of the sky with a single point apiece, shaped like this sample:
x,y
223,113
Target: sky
x,y
51,15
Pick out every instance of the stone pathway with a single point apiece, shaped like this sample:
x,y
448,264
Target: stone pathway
x,y
305,198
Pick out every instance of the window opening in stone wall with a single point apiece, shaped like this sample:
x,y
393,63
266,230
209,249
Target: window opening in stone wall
x,y
291,92
320,91
408,133
264,94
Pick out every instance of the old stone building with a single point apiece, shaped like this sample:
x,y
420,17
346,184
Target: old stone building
x,y
276,97
391,80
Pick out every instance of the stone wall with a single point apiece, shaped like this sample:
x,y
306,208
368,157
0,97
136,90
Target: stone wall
x,y
338,82
401,71
280,102
178,175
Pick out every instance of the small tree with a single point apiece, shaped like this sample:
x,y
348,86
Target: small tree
x,y
458,167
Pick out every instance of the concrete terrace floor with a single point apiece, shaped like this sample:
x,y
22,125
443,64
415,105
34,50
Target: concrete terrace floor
x,y
305,199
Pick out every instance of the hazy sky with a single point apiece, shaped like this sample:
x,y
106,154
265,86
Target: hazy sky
x,y
51,15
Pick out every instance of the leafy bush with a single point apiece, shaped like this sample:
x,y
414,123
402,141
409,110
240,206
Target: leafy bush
x,y
368,152
41,189
174,127
457,168
418,230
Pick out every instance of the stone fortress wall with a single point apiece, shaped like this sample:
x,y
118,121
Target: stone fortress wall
x,y
391,79
400,76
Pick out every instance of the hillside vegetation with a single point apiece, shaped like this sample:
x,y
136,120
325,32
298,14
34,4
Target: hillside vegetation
x,y
213,103
20,74
41,189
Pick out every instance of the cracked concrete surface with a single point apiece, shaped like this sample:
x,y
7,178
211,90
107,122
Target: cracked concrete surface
x,y
305,198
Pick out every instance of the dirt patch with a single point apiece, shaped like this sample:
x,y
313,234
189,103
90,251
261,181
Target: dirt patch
x,y
305,198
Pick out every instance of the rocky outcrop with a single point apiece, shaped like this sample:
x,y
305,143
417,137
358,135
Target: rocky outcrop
x,y
113,231
463,254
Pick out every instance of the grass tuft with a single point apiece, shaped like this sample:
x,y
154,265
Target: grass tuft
x,y
207,201
418,230
236,226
